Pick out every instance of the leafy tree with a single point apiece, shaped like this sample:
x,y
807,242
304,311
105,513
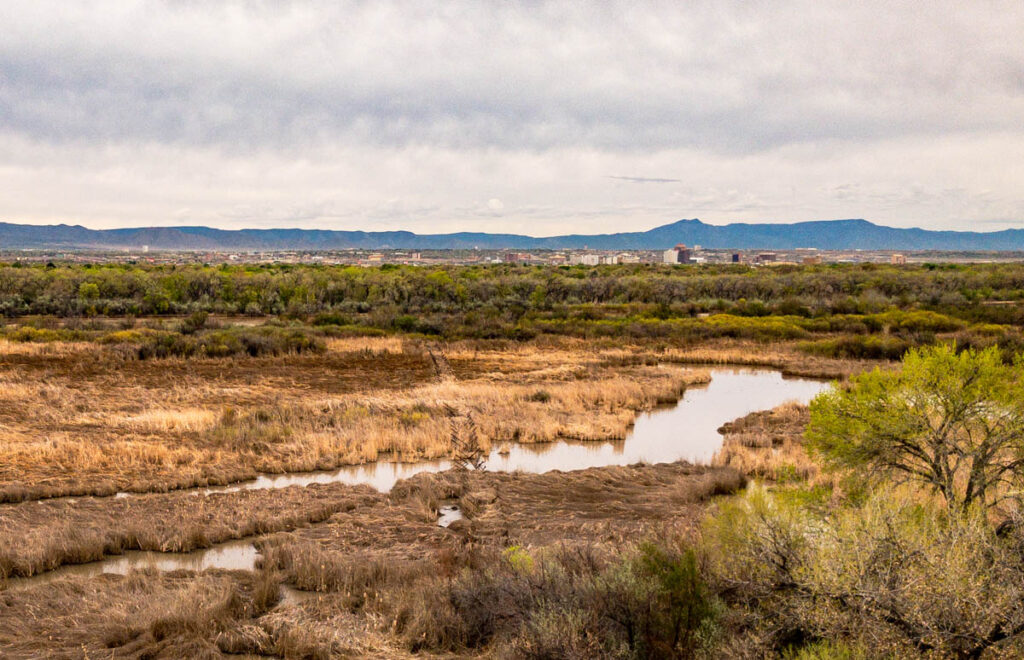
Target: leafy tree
x,y
953,421
88,291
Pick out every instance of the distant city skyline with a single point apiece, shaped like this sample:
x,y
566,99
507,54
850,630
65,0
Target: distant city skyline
x,y
538,118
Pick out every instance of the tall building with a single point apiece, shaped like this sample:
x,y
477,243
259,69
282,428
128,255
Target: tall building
x,y
680,254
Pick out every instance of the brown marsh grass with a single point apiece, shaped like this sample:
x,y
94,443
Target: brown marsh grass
x,y
41,536
769,445
781,356
68,426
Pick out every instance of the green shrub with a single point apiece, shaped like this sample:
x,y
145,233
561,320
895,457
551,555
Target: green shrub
x,y
254,342
897,574
859,347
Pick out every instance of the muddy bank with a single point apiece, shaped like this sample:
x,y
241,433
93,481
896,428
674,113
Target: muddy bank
x,y
608,505
385,540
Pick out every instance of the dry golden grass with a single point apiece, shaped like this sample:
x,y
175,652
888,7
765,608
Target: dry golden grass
x,y
780,356
8,348
162,421
91,424
368,344
769,445
41,536
372,549
144,615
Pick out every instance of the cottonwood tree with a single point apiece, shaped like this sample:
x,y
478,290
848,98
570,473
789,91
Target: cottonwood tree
x,y
953,421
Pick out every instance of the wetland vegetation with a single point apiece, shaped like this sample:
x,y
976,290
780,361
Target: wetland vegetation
x,y
881,520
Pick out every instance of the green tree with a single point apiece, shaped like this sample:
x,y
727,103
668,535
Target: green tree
x,y
953,421
88,291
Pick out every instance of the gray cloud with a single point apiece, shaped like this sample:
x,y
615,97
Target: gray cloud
x,y
722,76
643,179
417,114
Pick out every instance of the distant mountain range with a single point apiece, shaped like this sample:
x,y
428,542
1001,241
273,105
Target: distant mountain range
x,y
824,234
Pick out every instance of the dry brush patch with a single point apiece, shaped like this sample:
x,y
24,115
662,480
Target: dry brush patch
x,y
783,356
372,564
608,505
398,579
143,615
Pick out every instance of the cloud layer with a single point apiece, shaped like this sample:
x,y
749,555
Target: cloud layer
x,y
532,116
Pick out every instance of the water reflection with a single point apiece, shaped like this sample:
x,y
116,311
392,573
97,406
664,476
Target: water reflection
x,y
448,514
687,431
233,555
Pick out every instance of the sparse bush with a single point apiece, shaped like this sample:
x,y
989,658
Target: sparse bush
x,y
897,574
648,603
254,342
540,396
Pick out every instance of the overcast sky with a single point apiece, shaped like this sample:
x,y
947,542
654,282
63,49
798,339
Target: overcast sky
x,y
530,117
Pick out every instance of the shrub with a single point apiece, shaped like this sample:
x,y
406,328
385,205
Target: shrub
x,y
898,574
540,396
266,340
650,602
859,347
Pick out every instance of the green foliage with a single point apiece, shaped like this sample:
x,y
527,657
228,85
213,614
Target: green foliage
x,y
953,421
194,323
684,304
518,558
827,651
88,291
254,342
858,347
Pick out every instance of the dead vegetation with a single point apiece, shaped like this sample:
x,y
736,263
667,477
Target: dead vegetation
x,y
782,356
41,536
376,575
69,428
768,444
377,568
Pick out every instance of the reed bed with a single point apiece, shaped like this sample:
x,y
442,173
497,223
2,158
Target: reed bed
x,y
769,445
68,428
392,344
49,349
778,356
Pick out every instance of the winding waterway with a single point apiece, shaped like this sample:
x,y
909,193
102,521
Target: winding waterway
x,y
686,431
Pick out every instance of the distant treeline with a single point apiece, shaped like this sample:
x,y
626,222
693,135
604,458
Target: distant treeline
x,y
512,301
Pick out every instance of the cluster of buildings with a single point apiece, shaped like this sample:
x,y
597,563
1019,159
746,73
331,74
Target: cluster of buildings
x,y
678,254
